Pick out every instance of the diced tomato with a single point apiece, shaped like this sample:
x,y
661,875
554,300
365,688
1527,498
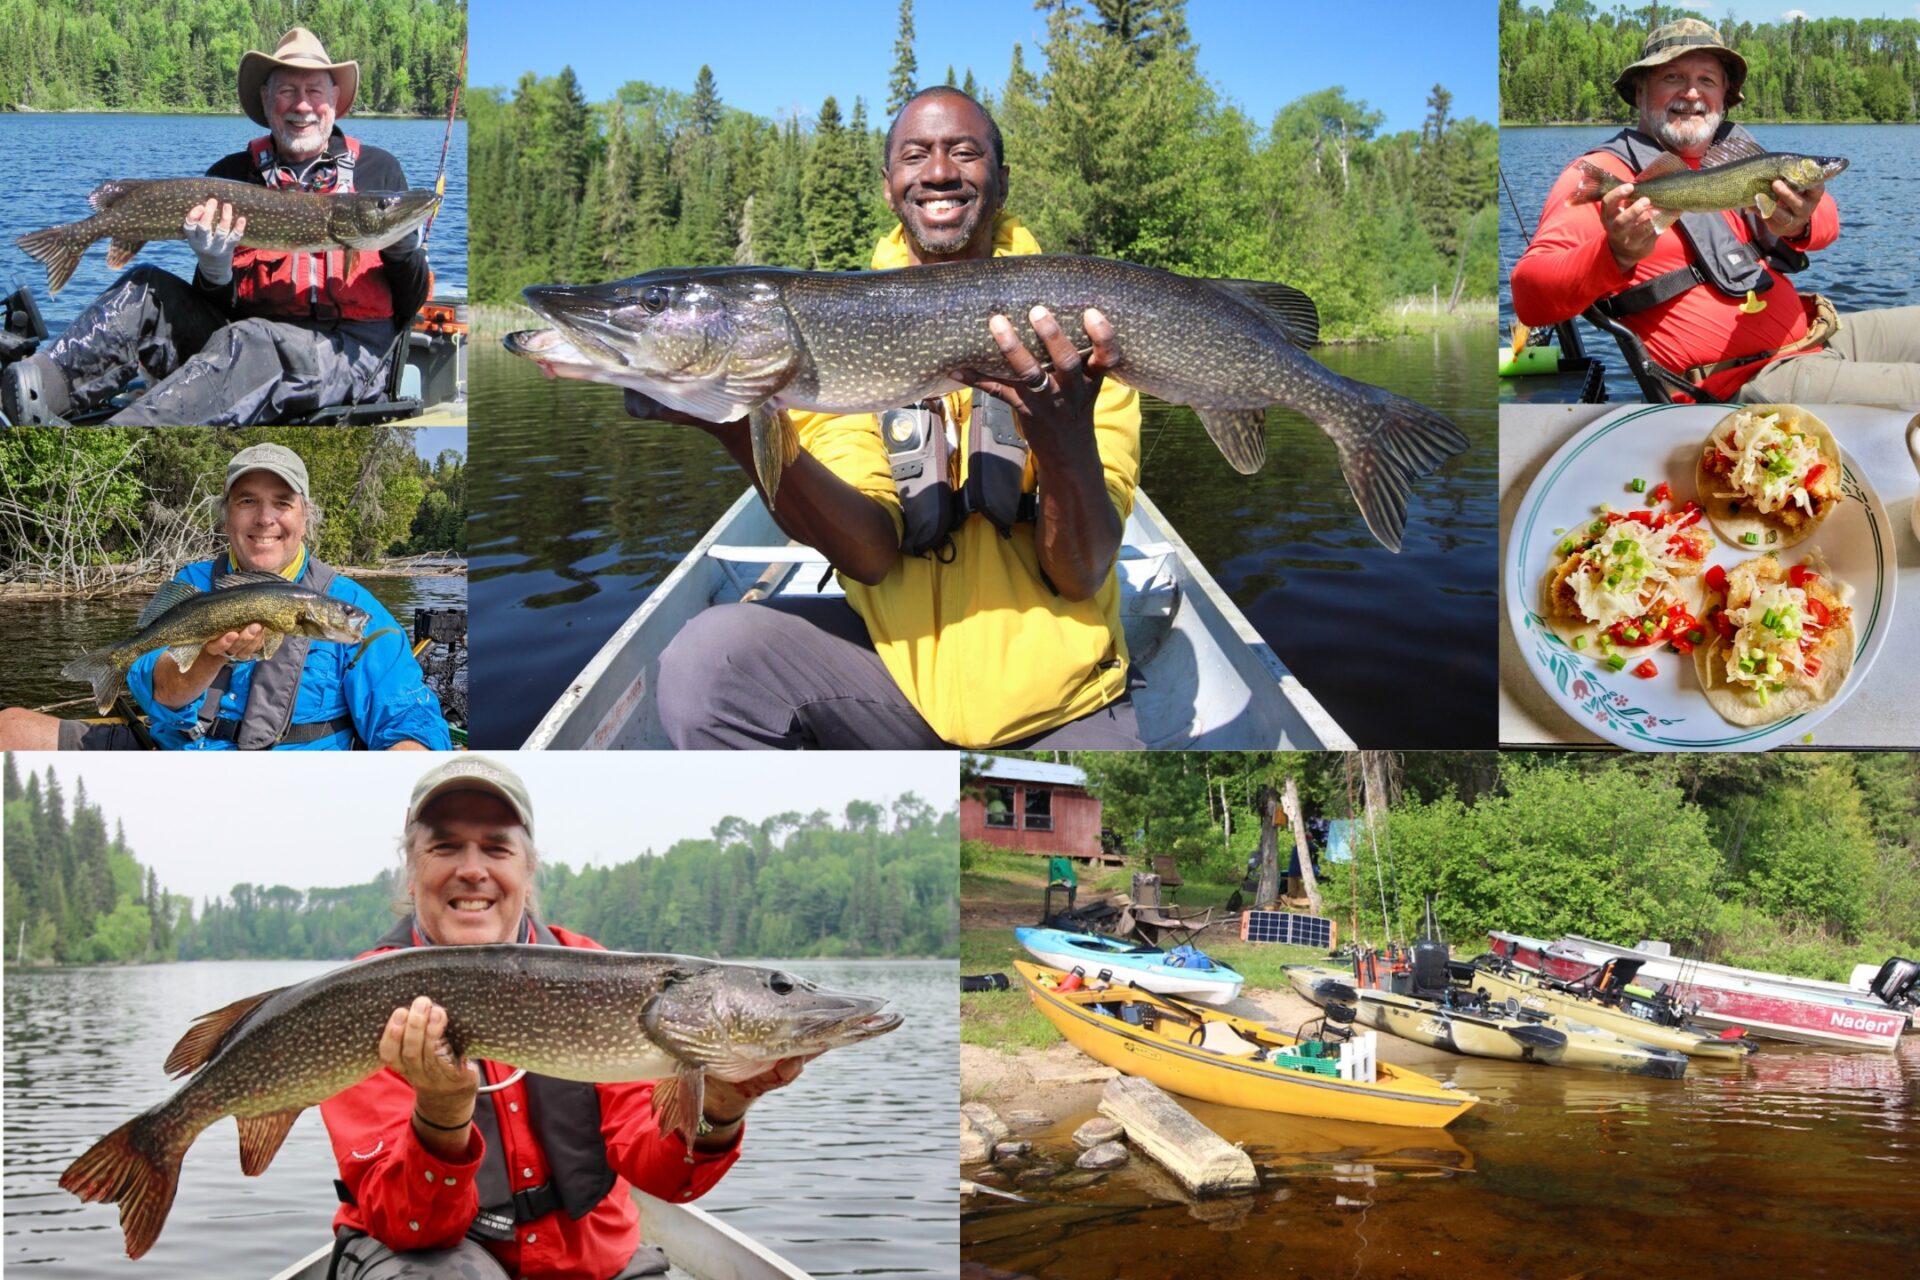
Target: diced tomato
x,y
1817,611
1799,575
1663,492
1686,515
1682,645
1814,472
1646,670
1716,579
1810,666
1721,622
1644,517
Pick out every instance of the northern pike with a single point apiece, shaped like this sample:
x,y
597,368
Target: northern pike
x,y
181,618
131,211
721,343
1732,174
570,1013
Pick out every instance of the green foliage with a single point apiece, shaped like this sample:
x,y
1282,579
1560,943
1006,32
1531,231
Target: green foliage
x,y
184,55
1559,65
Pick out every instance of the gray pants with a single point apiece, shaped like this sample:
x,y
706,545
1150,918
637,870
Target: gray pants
x,y
206,370
78,735
802,673
364,1258
1874,359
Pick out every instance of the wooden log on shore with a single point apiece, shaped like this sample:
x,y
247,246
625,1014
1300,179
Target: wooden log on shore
x,y
1205,1162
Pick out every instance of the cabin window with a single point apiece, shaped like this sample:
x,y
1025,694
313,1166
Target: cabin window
x,y
1000,807
1039,809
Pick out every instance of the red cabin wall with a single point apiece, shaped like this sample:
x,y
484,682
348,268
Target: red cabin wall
x,y
1076,822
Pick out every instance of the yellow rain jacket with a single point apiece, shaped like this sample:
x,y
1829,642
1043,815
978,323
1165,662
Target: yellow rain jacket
x,y
981,646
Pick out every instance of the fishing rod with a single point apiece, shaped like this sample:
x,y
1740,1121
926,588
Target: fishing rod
x,y
446,142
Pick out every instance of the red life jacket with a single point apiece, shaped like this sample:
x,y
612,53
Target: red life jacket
x,y
269,282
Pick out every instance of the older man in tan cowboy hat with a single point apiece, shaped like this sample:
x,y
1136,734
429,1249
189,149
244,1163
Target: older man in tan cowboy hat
x,y
1709,297
259,335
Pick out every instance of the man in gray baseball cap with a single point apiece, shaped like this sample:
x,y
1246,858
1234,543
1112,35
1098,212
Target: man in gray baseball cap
x,y
239,692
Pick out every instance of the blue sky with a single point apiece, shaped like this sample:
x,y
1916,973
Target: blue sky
x,y
772,57
1747,11
429,441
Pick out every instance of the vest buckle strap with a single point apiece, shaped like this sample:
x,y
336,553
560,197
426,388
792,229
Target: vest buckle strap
x,y
491,1224
535,1203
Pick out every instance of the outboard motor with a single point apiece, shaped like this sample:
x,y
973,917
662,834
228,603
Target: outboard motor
x,y
1898,983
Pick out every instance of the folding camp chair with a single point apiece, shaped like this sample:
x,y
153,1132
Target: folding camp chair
x,y
1153,923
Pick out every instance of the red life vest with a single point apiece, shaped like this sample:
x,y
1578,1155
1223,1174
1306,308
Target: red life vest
x,y
269,282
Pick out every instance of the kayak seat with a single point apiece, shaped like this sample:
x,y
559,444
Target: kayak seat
x,y
1224,1040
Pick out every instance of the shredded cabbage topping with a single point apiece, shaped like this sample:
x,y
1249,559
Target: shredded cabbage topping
x,y
1768,631
1769,460
1623,570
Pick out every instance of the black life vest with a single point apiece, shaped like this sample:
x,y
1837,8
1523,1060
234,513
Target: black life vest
x,y
269,282
564,1116
1717,257
920,455
267,719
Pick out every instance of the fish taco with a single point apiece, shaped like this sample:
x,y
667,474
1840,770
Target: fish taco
x,y
1768,475
1779,639
1629,579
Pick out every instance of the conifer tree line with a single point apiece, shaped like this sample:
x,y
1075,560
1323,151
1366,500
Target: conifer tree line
x,y
1558,63
1118,148
1799,862
184,55
875,880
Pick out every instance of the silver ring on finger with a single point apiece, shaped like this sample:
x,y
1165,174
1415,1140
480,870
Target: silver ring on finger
x,y
1040,380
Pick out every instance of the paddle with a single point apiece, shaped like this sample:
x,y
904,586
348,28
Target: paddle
x,y
1537,1037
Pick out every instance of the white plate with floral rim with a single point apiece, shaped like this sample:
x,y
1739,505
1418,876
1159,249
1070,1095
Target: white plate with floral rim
x,y
1667,711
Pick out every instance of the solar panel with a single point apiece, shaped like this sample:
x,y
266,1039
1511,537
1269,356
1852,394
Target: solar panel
x,y
1288,927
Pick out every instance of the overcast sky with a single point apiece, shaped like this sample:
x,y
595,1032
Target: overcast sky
x,y
309,819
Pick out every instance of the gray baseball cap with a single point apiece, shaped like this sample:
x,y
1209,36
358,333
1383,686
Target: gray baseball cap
x,y
472,773
277,458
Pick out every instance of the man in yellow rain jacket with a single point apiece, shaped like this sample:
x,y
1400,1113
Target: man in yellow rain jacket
x,y
982,614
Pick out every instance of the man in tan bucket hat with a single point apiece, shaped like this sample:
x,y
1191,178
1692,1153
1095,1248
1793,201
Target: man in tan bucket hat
x,y
1709,295
259,335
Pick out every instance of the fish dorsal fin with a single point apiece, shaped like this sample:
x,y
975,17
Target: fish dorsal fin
x,y
260,1138
1295,309
209,1031
1730,149
1666,165
169,595
112,191
246,578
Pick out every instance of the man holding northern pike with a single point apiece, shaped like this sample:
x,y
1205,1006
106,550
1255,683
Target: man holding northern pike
x,y
1684,229
628,1070
309,263
264,647
971,494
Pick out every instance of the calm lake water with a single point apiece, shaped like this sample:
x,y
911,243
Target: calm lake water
x,y
1869,266
848,1171
579,512
39,636
48,164
1799,1163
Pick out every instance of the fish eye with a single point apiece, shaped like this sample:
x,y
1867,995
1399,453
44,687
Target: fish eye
x,y
390,202
782,985
655,299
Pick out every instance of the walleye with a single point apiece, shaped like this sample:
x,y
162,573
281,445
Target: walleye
x,y
180,618
721,343
132,211
1732,174
571,1013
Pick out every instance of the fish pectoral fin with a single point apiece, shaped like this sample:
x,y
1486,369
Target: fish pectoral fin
x,y
353,260
1664,218
209,1031
678,1101
184,655
260,1138
121,252
1764,201
776,443
270,644
169,595
1241,435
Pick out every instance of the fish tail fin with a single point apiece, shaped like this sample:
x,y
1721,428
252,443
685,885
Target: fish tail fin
x,y
59,249
1594,183
1387,442
99,669
776,443
131,1167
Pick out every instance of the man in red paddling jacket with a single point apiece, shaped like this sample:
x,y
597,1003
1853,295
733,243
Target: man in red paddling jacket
x,y
259,335
530,1179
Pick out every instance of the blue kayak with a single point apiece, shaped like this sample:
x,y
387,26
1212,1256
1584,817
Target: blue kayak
x,y
1166,973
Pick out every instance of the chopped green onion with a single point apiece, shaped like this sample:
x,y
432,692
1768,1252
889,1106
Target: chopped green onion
x,y
1770,619
1616,662
1579,642
1623,546
1637,485
1696,635
1773,536
1629,634
1750,539
1558,532
1613,579
1598,526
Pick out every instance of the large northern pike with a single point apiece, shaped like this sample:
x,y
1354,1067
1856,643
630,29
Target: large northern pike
x,y
180,618
132,211
1732,174
570,1013
720,343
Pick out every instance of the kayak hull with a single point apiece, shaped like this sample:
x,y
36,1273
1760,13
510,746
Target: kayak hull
x,y
1143,967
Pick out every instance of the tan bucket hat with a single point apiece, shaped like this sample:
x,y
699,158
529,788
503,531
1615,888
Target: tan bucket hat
x,y
1674,40
300,50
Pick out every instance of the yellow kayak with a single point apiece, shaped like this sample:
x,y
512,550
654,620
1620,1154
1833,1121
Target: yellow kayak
x,y
1527,989
1213,1056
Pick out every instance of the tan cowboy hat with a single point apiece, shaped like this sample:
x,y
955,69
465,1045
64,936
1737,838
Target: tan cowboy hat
x,y
301,50
1676,40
